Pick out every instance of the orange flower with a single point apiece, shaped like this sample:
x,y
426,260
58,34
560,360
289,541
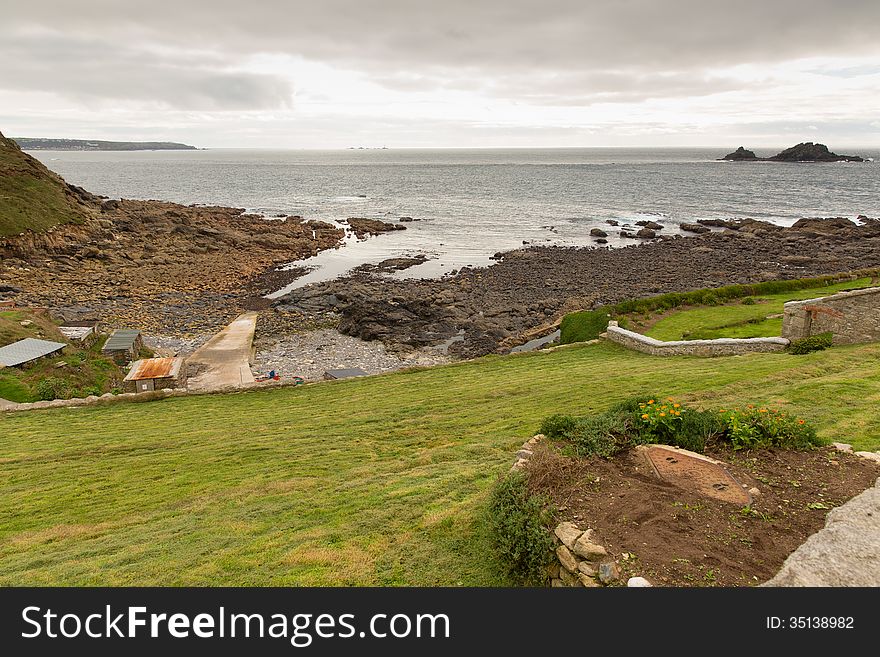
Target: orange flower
x,y
762,410
645,416
676,406
650,401
800,421
662,414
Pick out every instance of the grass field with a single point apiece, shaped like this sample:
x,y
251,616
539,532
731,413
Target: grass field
x,y
738,320
374,481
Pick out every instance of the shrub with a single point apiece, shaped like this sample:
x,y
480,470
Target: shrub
x,y
813,343
698,428
557,426
583,326
748,301
765,427
603,435
649,420
52,388
518,521
660,420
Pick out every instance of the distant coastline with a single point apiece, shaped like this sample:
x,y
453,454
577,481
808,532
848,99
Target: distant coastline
x,y
41,144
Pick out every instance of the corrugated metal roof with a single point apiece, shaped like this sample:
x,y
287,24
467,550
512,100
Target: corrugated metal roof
x,y
121,339
76,332
27,350
154,368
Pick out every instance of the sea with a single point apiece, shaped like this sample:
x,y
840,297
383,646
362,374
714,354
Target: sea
x,y
469,204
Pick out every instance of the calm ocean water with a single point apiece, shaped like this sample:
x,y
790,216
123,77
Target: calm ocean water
x,y
473,203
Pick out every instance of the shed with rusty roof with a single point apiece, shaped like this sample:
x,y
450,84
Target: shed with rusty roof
x,y
155,374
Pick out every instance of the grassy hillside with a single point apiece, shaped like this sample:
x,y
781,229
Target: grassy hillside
x,y
378,480
738,320
31,196
77,372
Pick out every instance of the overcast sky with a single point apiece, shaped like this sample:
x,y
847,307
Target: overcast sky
x,y
416,73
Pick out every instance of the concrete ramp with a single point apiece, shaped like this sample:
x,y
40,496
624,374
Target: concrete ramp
x,y
224,360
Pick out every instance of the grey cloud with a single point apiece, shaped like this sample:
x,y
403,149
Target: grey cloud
x,y
487,34
464,44
91,69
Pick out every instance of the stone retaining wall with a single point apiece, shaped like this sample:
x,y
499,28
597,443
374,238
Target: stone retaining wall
x,y
852,317
719,347
580,561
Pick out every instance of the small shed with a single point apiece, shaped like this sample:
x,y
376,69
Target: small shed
x,y
332,375
28,350
123,345
155,374
83,332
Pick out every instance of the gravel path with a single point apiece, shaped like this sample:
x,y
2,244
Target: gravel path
x,y
311,354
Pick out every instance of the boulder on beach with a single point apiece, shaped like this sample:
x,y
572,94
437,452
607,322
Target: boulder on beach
x,y
646,233
694,228
598,232
652,225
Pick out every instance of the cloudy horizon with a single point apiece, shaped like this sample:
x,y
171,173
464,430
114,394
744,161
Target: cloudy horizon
x,y
478,73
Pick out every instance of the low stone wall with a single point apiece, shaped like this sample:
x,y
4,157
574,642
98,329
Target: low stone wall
x,y
852,317
141,397
719,347
580,561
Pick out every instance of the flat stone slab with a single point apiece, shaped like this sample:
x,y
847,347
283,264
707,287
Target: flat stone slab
x,y
695,472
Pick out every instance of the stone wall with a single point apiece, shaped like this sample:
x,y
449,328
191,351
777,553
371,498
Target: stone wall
x,y
580,561
719,347
852,317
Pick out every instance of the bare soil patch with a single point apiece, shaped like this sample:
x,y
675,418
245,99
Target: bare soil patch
x,y
676,537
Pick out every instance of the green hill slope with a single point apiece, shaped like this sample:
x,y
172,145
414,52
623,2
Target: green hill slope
x,y
373,481
31,196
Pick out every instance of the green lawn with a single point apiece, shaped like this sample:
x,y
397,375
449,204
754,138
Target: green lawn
x,y
738,320
374,481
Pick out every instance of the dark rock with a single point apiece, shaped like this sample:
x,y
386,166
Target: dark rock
x,y
109,206
601,240
646,233
624,233
612,222
653,225
598,232
695,228
717,223
740,154
810,152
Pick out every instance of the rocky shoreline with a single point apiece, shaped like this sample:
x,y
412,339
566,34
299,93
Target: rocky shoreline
x,y
164,268
492,309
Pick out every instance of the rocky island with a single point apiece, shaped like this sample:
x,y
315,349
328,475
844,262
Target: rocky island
x,y
804,152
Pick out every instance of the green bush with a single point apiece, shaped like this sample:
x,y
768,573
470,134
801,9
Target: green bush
x,y
52,388
748,301
649,419
813,343
765,427
518,522
556,426
583,326
603,435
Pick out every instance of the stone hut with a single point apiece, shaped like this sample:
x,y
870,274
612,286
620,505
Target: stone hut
x,y
155,374
123,345
852,317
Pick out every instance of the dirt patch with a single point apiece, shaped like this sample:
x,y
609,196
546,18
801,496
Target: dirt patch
x,y
675,537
